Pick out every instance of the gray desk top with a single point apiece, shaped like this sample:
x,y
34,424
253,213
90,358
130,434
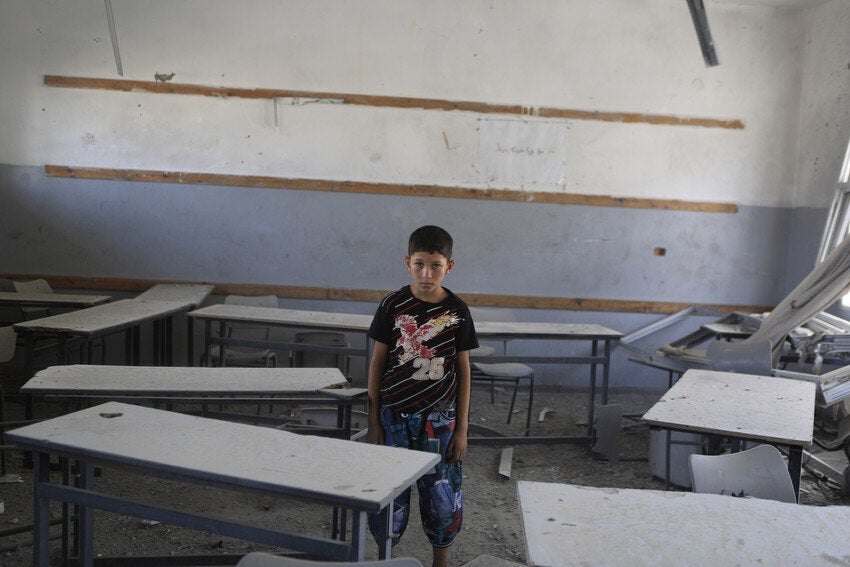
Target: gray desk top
x,y
278,316
576,525
544,330
82,379
103,318
192,294
357,322
27,299
772,409
345,473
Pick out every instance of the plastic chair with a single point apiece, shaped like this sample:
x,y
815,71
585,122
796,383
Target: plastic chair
x,y
34,286
313,359
509,374
246,356
258,559
759,472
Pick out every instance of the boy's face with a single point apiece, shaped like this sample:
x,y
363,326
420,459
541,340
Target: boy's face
x,y
428,270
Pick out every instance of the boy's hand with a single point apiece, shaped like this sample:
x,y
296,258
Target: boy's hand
x,y
375,436
457,448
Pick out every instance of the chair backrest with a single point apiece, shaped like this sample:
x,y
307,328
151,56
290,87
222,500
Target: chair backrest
x,y
250,331
304,359
492,314
8,338
33,286
327,416
759,472
258,559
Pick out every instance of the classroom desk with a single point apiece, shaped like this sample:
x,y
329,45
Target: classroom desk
x,y
125,316
81,383
565,332
741,406
506,331
277,317
194,294
360,477
27,299
578,525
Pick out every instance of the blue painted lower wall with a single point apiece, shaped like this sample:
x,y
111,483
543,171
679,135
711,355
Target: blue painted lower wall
x,y
115,229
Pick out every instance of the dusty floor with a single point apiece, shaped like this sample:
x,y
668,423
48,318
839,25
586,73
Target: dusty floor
x,y
492,523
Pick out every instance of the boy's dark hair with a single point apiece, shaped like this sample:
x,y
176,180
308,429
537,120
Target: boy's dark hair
x,y
430,239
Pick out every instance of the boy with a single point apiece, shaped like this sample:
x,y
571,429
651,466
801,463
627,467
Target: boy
x,y
419,385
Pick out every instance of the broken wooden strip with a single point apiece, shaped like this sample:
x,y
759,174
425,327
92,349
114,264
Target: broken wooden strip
x,y
409,190
505,462
374,295
128,85
543,413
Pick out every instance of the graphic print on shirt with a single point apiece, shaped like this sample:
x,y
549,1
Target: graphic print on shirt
x,y
412,342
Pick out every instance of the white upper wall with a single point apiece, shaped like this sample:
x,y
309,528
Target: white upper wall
x,y
825,115
609,55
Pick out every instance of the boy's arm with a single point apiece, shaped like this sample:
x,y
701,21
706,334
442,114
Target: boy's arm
x,y
457,446
377,366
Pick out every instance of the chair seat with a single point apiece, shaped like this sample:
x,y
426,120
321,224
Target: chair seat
x,y
503,369
234,355
484,350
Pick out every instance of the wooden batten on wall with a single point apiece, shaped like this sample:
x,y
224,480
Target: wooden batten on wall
x,y
411,190
373,296
388,101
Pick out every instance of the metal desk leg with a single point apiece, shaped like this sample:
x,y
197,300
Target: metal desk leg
x,y
169,341
190,341
70,545
385,547
137,358
157,343
605,368
359,525
669,441
592,402
128,346
795,467
207,349
85,522
222,354
29,348
41,533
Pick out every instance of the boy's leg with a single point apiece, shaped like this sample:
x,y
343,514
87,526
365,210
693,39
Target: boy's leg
x,y
396,428
441,557
440,495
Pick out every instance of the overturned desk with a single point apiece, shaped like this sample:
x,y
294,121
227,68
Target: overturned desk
x,y
163,385
772,410
360,477
193,294
579,525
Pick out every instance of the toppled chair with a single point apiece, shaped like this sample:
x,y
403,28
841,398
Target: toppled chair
x,y
759,472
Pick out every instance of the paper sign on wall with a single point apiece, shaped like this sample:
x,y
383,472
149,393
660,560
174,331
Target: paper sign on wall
x,y
521,152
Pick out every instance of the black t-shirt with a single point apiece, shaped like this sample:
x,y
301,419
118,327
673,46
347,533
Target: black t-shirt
x,y
423,339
